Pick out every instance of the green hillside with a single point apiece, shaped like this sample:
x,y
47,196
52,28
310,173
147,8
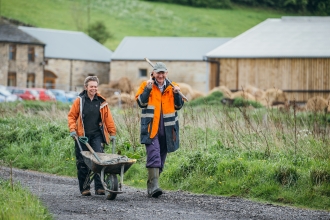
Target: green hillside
x,y
135,18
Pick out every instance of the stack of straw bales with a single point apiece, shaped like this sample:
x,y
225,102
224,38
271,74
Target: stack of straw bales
x,y
267,98
317,104
122,99
118,92
224,90
189,92
273,97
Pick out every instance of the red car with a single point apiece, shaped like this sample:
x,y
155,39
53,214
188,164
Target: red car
x,y
25,94
44,94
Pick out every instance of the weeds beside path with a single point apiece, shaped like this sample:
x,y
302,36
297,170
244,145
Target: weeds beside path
x,y
61,196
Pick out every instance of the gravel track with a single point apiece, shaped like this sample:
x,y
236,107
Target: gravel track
x,y
61,196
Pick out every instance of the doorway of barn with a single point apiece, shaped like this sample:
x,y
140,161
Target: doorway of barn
x,y
49,80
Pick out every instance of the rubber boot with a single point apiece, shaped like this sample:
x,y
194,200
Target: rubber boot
x,y
152,184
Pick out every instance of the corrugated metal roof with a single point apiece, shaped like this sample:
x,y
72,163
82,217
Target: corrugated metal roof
x,y
70,45
299,37
166,48
11,34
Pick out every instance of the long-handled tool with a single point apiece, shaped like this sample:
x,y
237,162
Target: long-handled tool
x,y
85,141
184,97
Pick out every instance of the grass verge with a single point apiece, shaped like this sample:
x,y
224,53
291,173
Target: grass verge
x,y
18,203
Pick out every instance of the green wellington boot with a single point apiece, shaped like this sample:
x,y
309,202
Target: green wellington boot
x,y
152,184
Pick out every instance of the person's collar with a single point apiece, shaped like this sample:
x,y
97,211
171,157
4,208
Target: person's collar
x,y
95,96
164,84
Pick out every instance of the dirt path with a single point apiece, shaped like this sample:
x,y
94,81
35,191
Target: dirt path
x,y
60,194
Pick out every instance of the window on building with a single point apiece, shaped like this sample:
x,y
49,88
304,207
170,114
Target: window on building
x,y
31,54
11,79
12,52
30,81
143,72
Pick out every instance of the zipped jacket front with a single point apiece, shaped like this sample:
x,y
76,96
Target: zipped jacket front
x,y
75,120
153,102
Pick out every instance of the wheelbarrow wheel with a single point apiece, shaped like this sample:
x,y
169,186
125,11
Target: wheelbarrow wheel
x,y
112,184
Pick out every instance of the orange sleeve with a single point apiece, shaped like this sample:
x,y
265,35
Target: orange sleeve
x,y
140,90
73,115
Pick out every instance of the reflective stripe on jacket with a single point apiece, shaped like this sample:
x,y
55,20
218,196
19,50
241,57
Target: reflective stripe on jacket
x,y
152,102
75,120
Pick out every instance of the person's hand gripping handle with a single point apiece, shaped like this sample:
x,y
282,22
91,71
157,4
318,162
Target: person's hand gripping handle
x,y
150,82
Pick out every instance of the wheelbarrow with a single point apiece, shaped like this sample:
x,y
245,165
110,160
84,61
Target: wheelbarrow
x,y
107,166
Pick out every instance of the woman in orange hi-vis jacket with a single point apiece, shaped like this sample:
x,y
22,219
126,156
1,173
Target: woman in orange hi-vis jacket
x,y
159,122
90,116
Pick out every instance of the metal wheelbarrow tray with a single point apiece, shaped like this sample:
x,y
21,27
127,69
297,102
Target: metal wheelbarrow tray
x,y
107,168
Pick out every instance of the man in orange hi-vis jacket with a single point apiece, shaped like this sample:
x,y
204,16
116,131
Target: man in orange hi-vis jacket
x,y
159,122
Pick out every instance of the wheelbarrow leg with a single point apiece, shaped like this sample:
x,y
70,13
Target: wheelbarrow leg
x,y
121,177
102,178
89,179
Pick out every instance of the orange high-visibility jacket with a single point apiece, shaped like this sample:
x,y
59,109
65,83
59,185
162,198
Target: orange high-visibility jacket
x,y
153,102
75,121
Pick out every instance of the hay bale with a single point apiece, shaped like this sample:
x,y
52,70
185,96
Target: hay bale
x,y
186,90
224,90
123,99
317,104
256,92
123,84
273,97
105,90
244,95
197,94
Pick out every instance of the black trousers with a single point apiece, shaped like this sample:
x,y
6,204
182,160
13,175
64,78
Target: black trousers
x,y
83,171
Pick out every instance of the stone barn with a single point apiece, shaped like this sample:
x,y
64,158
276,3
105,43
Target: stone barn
x,y
290,53
183,56
70,57
21,57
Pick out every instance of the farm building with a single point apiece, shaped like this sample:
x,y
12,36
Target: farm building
x,y
21,57
70,57
290,53
183,57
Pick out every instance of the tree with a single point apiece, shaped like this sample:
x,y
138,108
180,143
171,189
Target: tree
x,y
99,32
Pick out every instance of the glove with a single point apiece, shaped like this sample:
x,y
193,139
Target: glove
x,y
112,138
73,134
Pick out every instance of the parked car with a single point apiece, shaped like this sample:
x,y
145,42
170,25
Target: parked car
x,y
44,94
8,96
2,98
59,95
25,94
3,87
71,95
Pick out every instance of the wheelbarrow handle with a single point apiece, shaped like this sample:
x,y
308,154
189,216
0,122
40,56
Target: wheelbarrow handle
x,y
113,146
89,148
75,137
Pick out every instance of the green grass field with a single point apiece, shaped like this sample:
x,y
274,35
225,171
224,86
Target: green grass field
x,y
136,18
223,151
